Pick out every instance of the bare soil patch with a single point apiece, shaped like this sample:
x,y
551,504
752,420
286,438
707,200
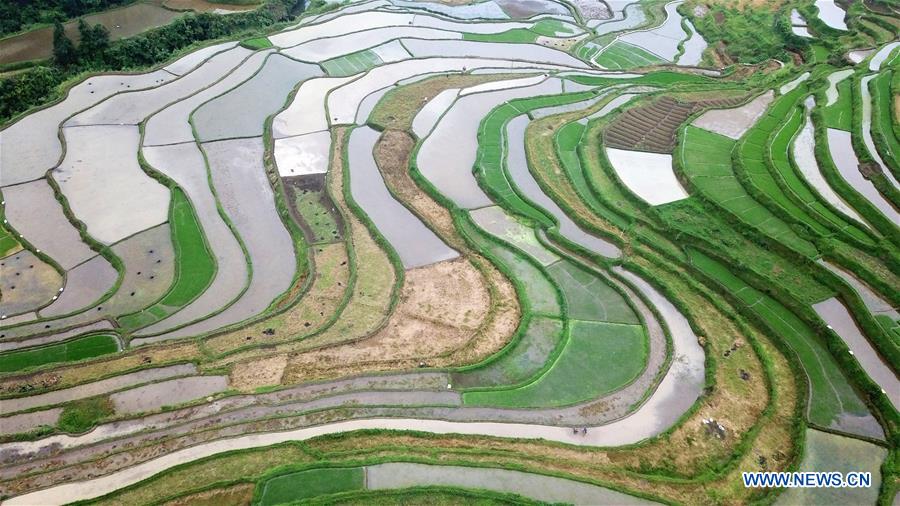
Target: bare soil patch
x,y
309,314
652,127
27,283
248,376
425,327
429,321
452,293
735,402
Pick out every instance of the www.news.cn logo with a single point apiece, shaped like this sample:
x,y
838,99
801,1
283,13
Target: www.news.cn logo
x,y
807,480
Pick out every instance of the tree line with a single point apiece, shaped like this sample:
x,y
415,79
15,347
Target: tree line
x,y
16,15
97,53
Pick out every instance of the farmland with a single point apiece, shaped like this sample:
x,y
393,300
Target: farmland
x,y
493,252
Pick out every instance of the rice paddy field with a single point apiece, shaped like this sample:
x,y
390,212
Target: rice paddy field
x,y
460,252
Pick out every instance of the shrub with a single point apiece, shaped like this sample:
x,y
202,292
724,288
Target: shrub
x,y
80,416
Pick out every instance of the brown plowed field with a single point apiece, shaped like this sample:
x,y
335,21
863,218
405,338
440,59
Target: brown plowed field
x,y
652,127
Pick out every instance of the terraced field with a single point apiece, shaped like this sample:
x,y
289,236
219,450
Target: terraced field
x,y
498,252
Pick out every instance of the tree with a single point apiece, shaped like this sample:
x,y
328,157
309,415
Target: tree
x,y
94,41
64,53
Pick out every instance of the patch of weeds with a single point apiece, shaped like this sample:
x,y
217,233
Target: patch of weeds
x,y
80,416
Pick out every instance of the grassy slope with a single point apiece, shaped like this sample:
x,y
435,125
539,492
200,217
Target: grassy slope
x,y
766,146
351,64
257,43
8,243
322,224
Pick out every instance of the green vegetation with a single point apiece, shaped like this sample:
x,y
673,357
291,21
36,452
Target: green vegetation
x,y
353,63
257,43
699,221
519,361
622,55
490,162
515,36
588,296
738,259
69,351
18,16
567,140
882,122
552,28
195,265
44,83
749,34
536,292
545,27
598,358
64,52
706,160
432,496
307,484
840,114
780,157
662,78
768,144
320,221
830,394
878,33
819,53
82,415
8,243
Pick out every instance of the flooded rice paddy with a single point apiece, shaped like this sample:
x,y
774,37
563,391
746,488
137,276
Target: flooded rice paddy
x,y
835,314
107,153
248,201
242,111
805,157
543,488
517,165
184,163
649,175
841,149
832,14
734,122
446,157
415,243
304,154
546,339
49,230
85,285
